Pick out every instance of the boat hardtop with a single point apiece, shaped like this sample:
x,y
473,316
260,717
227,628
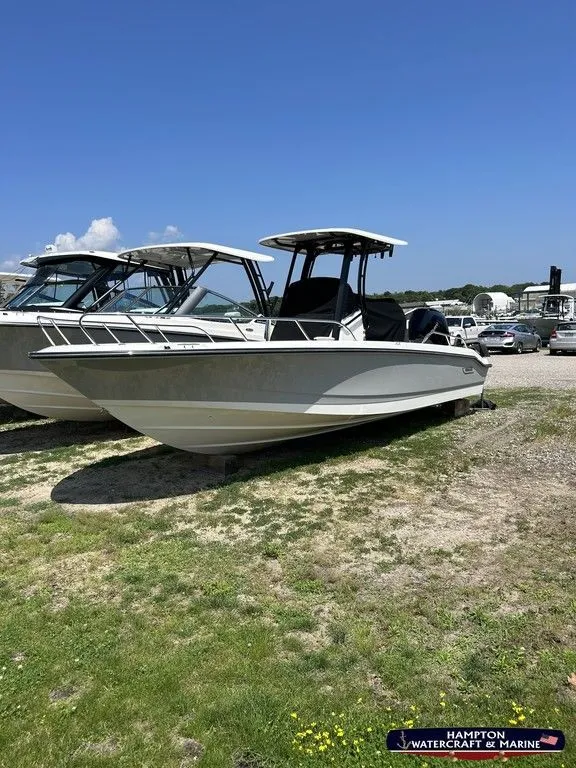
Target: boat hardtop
x,y
52,257
337,240
192,255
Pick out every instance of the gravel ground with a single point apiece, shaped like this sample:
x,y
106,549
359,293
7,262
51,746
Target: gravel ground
x,y
532,370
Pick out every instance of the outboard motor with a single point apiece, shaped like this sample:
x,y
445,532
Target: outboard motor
x,y
430,325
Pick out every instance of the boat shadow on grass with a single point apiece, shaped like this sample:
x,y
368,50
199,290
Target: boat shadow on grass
x,y
164,473
25,432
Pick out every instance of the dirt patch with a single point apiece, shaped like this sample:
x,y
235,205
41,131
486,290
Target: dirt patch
x,y
83,574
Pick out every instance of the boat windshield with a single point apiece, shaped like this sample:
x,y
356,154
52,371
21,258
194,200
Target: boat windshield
x,y
83,284
53,284
150,299
215,305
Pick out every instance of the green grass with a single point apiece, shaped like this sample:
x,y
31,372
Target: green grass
x,y
317,590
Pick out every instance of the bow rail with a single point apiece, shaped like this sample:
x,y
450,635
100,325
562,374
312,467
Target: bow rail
x,y
55,329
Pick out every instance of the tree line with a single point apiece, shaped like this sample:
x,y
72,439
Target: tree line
x,y
465,293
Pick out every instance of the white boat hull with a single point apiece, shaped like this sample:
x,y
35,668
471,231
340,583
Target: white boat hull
x,y
26,384
231,398
44,394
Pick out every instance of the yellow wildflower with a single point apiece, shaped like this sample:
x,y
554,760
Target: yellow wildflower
x,y
294,715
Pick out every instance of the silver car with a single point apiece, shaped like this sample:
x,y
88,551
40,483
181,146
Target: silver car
x,y
563,338
511,337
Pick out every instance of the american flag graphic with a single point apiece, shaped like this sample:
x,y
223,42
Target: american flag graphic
x,y
552,740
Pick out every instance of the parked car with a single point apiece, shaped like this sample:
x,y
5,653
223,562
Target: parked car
x,y
511,337
563,338
462,326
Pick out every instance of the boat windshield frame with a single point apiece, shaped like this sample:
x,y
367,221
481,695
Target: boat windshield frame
x,y
563,303
251,268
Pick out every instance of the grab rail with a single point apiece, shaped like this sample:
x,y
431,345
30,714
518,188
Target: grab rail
x,y
88,322
300,320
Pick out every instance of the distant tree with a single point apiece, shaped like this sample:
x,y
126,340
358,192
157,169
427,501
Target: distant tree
x,y
464,293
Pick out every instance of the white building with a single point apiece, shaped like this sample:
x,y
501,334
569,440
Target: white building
x,y
492,304
10,283
532,295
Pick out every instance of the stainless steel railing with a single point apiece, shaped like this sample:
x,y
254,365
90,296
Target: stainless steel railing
x,y
88,323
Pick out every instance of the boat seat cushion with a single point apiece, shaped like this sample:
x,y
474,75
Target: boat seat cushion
x,y
315,298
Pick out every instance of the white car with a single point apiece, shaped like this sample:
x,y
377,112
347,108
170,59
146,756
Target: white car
x,y
563,338
462,327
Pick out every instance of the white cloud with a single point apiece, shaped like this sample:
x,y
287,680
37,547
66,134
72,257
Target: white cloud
x,y
101,235
12,264
171,234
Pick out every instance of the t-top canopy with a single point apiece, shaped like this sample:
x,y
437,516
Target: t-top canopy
x,y
55,257
192,254
334,240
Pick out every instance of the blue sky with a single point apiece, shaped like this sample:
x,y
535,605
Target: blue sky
x,y
450,124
